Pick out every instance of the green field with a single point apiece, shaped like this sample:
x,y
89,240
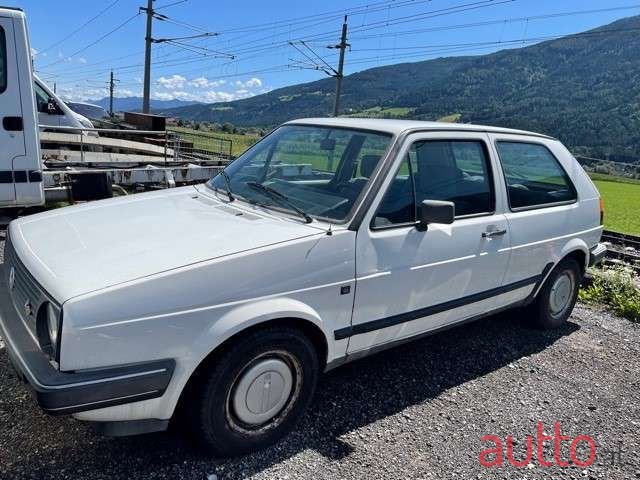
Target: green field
x,y
622,205
239,145
382,112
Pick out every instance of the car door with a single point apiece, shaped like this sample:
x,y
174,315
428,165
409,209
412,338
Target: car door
x,y
11,132
410,281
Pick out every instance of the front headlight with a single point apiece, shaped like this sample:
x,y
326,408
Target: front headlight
x,y
48,329
52,325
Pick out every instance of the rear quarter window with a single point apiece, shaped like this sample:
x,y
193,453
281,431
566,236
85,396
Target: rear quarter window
x,y
3,61
534,176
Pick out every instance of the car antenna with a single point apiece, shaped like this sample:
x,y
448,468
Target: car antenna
x,y
330,231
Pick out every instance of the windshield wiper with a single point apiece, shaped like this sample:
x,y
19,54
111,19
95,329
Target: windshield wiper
x,y
276,195
227,182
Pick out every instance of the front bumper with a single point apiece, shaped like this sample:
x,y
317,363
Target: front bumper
x,y
597,254
59,392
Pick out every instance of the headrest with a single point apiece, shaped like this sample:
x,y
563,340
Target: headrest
x,y
368,165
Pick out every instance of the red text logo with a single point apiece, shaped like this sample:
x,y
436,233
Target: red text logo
x,y
494,456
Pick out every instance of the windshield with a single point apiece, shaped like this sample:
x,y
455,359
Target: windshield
x,y
320,171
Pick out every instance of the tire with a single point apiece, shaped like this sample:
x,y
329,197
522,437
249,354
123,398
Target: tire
x,y
555,301
230,412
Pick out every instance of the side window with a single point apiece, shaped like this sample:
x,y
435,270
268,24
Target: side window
x,y
534,176
42,98
398,206
456,171
3,61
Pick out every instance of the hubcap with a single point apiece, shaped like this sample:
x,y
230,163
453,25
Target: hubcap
x,y
561,293
262,391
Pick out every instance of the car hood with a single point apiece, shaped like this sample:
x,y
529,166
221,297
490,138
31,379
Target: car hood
x,y
77,250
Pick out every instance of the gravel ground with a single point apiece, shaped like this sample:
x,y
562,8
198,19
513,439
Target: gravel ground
x,y
418,411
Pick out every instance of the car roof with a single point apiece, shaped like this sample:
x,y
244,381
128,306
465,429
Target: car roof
x,y
396,127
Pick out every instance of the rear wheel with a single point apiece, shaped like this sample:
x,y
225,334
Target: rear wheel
x,y
555,301
256,391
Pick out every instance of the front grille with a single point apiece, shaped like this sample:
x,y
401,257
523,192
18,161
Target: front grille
x,y
27,295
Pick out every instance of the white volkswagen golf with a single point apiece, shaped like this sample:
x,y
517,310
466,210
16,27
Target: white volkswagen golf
x,y
328,240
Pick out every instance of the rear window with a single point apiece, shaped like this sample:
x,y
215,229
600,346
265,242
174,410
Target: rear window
x,y
534,176
3,61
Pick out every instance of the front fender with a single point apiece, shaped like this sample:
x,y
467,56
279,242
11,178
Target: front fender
x,y
251,314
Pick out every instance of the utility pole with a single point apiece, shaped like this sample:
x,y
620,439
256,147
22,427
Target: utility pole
x,y
342,46
111,84
147,57
55,87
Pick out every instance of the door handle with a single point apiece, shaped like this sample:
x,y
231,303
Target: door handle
x,y
12,124
493,233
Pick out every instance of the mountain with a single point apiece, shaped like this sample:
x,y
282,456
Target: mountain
x,y
583,89
130,104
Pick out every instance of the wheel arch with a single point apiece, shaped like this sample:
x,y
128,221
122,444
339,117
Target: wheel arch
x,y
308,327
576,249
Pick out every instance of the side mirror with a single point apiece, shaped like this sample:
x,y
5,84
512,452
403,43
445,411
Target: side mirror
x,y
52,108
435,211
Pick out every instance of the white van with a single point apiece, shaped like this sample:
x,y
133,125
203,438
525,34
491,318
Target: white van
x,y
52,111
20,160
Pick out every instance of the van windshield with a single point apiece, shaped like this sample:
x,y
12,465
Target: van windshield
x,y
321,171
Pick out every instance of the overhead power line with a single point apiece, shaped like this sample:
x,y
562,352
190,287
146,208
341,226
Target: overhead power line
x,y
254,51
67,37
111,32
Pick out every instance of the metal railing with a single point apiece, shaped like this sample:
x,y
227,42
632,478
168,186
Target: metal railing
x,y
105,147
196,145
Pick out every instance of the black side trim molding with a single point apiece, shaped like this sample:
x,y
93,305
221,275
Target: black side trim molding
x,y
367,327
545,271
20,176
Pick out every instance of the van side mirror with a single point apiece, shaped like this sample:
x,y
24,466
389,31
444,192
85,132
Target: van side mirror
x,y
435,211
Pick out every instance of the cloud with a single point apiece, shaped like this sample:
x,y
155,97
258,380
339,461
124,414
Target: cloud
x,y
203,82
252,83
162,96
174,81
123,93
78,93
213,96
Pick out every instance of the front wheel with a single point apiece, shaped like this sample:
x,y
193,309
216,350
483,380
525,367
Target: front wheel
x,y
256,391
555,301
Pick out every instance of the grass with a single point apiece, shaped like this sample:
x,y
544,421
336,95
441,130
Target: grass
x,y
239,145
622,206
616,288
453,118
612,178
382,112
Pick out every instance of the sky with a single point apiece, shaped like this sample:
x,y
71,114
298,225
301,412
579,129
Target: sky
x,y
242,49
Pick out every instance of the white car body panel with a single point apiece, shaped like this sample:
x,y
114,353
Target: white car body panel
x,y
139,236
174,274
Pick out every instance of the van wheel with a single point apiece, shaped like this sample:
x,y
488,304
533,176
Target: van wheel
x,y
555,301
256,391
